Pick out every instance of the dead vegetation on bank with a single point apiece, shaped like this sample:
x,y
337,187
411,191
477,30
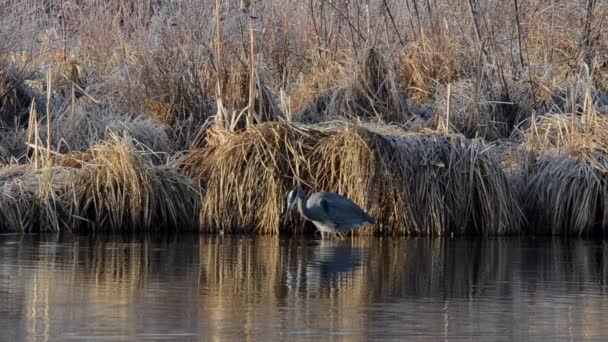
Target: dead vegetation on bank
x,y
412,183
140,116
112,187
250,172
371,94
31,200
566,188
119,189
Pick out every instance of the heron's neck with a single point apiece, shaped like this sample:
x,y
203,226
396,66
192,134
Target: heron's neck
x,y
301,203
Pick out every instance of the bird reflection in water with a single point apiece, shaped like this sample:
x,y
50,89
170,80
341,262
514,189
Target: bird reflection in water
x,y
331,264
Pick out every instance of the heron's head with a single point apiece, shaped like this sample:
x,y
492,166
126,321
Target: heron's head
x,y
292,197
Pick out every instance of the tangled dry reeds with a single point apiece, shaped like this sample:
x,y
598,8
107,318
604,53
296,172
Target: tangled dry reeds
x,y
82,128
473,112
372,94
116,92
32,200
118,189
412,184
566,189
567,196
110,187
246,175
419,184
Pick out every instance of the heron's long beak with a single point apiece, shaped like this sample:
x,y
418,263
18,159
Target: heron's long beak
x,y
286,214
285,217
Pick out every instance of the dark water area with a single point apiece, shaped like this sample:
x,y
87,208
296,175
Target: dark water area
x,y
223,288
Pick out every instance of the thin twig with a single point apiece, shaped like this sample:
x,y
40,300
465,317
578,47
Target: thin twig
x,y
218,51
48,117
251,107
447,111
390,16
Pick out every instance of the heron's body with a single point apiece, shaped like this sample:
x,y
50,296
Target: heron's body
x,y
330,212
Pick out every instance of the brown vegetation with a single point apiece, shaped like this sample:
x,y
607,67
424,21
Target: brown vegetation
x,y
118,189
412,183
442,118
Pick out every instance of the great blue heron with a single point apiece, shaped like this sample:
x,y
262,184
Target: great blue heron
x,y
331,213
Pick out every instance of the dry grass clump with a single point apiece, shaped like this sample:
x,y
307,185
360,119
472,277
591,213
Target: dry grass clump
x,y
236,89
175,91
476,112
120,190
416,184
13,200
566,189
323,76
371,94
568,195
574,135
428,62
31,200
374,92
15,96
413,184
12,147
173,74
248,174
80,128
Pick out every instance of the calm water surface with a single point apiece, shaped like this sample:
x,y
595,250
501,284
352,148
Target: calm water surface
x,y
268,288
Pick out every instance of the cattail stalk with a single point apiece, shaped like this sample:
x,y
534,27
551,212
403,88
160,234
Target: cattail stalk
x,y
48,118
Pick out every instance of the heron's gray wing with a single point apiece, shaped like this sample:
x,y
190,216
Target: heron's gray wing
x,y
339,210
324,205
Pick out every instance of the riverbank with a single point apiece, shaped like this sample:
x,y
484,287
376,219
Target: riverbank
x,y
162,122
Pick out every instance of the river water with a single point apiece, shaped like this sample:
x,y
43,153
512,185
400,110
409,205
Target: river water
x,y
225,288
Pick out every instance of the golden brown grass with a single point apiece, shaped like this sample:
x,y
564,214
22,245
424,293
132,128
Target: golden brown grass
x,y
470,115
118,189
413,184
371,94
418,184
427,63
149,75
567,195
568,134
32,200
246,175
324,76
566,188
